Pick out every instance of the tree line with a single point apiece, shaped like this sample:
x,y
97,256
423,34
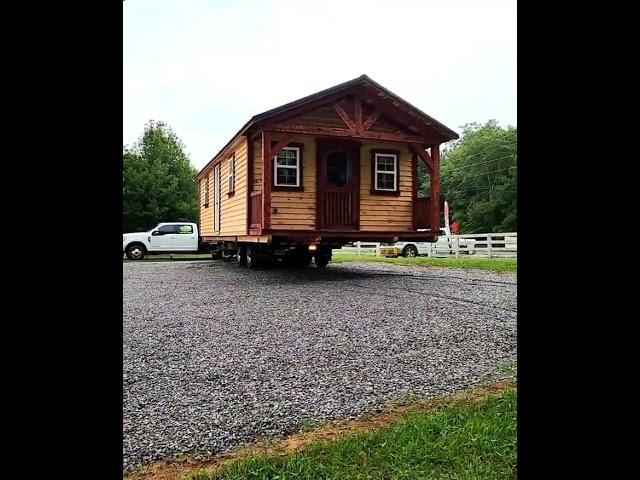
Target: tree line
x,y
478,175
158,180
478,179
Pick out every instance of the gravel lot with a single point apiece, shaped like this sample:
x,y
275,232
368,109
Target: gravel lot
x,y
216,356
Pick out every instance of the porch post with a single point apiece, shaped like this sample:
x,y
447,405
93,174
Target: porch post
x,y
435,188
267,176
414,193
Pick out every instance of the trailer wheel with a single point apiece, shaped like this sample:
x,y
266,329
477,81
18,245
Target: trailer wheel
x,y
136,252
300,258
251,260
305,261
322,261
241,255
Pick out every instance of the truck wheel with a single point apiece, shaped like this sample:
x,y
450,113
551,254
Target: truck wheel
x,y
136,252
241,255
410,251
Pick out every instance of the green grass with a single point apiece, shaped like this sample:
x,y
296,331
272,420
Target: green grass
x,y
306,425
509,368
463,442
494,264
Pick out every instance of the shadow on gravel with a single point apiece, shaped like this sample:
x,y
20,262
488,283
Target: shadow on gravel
x,y
284,275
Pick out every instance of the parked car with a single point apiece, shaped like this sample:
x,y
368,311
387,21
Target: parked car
x,y
166,237
445,243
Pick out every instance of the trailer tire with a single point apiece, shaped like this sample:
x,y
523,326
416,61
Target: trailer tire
x,y
322,261
299,258
136,251
241,255
305,261
250,258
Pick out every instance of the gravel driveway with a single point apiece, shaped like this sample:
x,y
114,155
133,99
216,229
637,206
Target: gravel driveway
x,y
216,355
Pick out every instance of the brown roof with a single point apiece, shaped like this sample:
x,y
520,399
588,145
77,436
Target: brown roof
x,y
418,114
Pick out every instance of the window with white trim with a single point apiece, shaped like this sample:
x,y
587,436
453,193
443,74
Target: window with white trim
x,y
386,172
232,175
286,167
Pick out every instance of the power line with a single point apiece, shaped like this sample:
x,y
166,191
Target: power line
x,y
492,150
492,171
487,151
480,163
480,174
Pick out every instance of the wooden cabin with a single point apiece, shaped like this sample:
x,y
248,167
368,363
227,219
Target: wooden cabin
x,y
328,169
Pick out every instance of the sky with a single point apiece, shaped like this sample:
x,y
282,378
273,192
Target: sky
x,y
205,67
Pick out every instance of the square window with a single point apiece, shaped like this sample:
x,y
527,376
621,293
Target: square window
x,y
385,172
287,168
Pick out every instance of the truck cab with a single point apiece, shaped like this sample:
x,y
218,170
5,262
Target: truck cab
x,y
166,237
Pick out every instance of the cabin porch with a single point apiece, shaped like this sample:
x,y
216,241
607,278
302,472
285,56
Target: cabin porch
x,y
338,192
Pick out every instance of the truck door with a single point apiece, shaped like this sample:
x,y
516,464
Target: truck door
x,y
186,238
163,239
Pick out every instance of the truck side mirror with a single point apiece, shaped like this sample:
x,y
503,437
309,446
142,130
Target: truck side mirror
x,y
155,233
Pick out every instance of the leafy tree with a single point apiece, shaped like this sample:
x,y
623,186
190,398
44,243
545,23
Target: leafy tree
x,y
158,180
479,178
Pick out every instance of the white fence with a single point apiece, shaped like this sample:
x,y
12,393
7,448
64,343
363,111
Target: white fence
x,y
489,245
360,248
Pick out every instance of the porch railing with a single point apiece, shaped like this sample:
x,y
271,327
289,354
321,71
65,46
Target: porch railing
x,y
337,209
422,213
256,210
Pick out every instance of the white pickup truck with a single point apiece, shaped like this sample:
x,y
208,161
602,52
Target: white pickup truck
x,y
168,237
444,244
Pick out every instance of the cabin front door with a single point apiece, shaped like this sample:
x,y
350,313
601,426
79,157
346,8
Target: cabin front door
x,y
338,185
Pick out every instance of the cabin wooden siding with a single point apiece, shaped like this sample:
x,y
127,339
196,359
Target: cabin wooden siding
x,y
327,117
386,212
206,205
233,208
296,210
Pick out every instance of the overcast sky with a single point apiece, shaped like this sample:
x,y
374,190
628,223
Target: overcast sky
x,y
205,67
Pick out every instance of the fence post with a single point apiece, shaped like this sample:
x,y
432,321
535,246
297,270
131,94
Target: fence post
x,y
457,246
358,248
489,253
